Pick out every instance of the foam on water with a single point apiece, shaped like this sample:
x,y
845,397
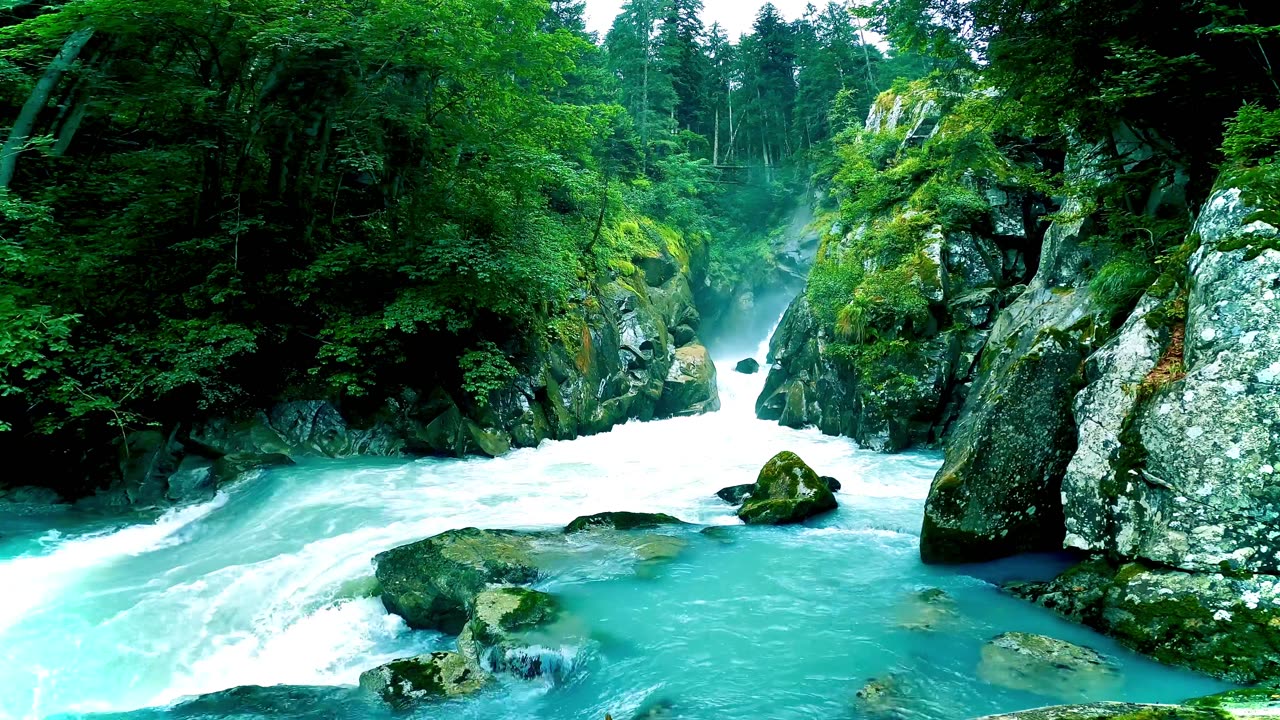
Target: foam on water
x,y
262,586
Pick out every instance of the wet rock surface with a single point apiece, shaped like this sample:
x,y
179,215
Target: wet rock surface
x,y
424,678
787,491
1047,666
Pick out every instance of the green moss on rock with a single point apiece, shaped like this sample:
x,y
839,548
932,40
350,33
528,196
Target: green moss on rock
x,y
787,491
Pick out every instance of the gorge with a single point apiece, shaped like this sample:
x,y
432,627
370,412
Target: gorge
x,y
447,360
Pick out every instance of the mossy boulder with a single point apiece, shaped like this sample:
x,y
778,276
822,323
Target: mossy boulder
x,y
434,676
432,583
787,491
1047,666
231,467
1222,624
750,366
510,632
621,521
1114,711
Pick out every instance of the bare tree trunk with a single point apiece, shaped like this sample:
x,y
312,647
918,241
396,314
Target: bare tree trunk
x,y
22,127
715,152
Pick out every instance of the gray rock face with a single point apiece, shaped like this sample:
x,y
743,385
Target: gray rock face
x,y
1095,518
787,491
690,388
998,492
1212,439
1047,666
425,678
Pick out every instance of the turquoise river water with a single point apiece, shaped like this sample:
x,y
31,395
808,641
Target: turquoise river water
x,y
263,586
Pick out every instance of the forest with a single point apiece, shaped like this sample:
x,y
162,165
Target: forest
x,y
893,359
208,206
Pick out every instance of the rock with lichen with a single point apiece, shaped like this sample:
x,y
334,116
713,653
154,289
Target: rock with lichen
x,y
787,491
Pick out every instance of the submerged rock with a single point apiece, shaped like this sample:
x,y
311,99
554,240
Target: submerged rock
x,y
1225,625
750,366
622,521
1047,666
787,491
424,678
432,583
503,633
1113,711
928,611
883,699
737,494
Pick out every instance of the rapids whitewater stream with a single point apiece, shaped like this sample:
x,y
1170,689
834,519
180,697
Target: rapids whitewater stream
x,y
267,585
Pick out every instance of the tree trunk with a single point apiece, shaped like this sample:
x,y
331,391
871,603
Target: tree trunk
x,y
22,127
715,152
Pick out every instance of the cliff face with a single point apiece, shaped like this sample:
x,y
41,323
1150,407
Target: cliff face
x,y
632,354
1145,433
893,377
1155,450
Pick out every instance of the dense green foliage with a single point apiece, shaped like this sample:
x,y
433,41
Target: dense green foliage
x,y
206,206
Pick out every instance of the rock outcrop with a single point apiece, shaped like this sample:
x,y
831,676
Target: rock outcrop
x,y
1224,626
787,491
631,353
998,492
910,393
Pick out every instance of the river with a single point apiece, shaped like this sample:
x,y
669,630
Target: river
x,y
267,585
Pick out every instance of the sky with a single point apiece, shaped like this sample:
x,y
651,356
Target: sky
x,y
736,16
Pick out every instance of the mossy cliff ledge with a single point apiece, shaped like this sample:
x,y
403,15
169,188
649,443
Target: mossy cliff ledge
x,y
1162,463
883,344
628,351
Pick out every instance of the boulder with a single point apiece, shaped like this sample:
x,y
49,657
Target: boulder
x,y
231,467
621,521
787,491
424,678
999,490
1225,625
832,484
737,494
432,583
1047,666
1113,711
690,388
750,366
1205,447
148,458
507,633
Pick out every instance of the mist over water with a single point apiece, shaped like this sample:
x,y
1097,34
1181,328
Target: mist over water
x,y
267,585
